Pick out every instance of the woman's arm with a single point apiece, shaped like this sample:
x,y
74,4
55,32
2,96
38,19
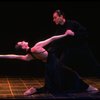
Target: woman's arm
x,y
53,38
14,56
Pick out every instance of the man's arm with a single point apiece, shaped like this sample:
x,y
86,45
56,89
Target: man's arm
x,y
53,38
14,56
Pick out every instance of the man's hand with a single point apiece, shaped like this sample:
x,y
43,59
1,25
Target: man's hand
x,y
69,32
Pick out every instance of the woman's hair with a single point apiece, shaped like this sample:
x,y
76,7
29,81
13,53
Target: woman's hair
x,y
18,46
19,49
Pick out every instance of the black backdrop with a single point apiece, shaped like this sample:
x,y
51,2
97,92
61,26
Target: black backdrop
x,y
32,21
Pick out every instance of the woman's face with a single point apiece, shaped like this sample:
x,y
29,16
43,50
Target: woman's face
x,y
23,44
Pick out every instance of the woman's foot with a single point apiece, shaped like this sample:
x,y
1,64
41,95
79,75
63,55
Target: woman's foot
x,y
30,91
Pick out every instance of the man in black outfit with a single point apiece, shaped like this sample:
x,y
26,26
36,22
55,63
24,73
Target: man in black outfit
x,y
74,50
71,51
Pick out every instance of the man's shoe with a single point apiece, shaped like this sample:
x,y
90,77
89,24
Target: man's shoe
x,y
30,91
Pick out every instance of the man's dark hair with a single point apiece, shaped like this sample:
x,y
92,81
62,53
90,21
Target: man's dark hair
x,y
59,12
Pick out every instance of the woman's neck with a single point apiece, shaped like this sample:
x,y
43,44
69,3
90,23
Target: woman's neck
x,y
28,49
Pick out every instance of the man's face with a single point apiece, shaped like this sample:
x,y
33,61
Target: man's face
x,y
56,18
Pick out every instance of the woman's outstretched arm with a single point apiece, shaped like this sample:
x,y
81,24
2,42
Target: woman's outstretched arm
x,y
14,56
53,38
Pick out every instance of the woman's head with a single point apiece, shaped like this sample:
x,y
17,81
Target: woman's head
x,y
22,45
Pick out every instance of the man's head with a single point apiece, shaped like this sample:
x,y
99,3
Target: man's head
x,y
22,45
58,17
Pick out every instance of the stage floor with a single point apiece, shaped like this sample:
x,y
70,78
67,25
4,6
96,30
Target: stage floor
x,y
13,87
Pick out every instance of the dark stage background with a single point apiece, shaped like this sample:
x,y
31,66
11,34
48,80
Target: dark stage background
x,y
32,21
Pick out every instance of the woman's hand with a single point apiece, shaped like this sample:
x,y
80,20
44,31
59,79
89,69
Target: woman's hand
x,y
69,32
